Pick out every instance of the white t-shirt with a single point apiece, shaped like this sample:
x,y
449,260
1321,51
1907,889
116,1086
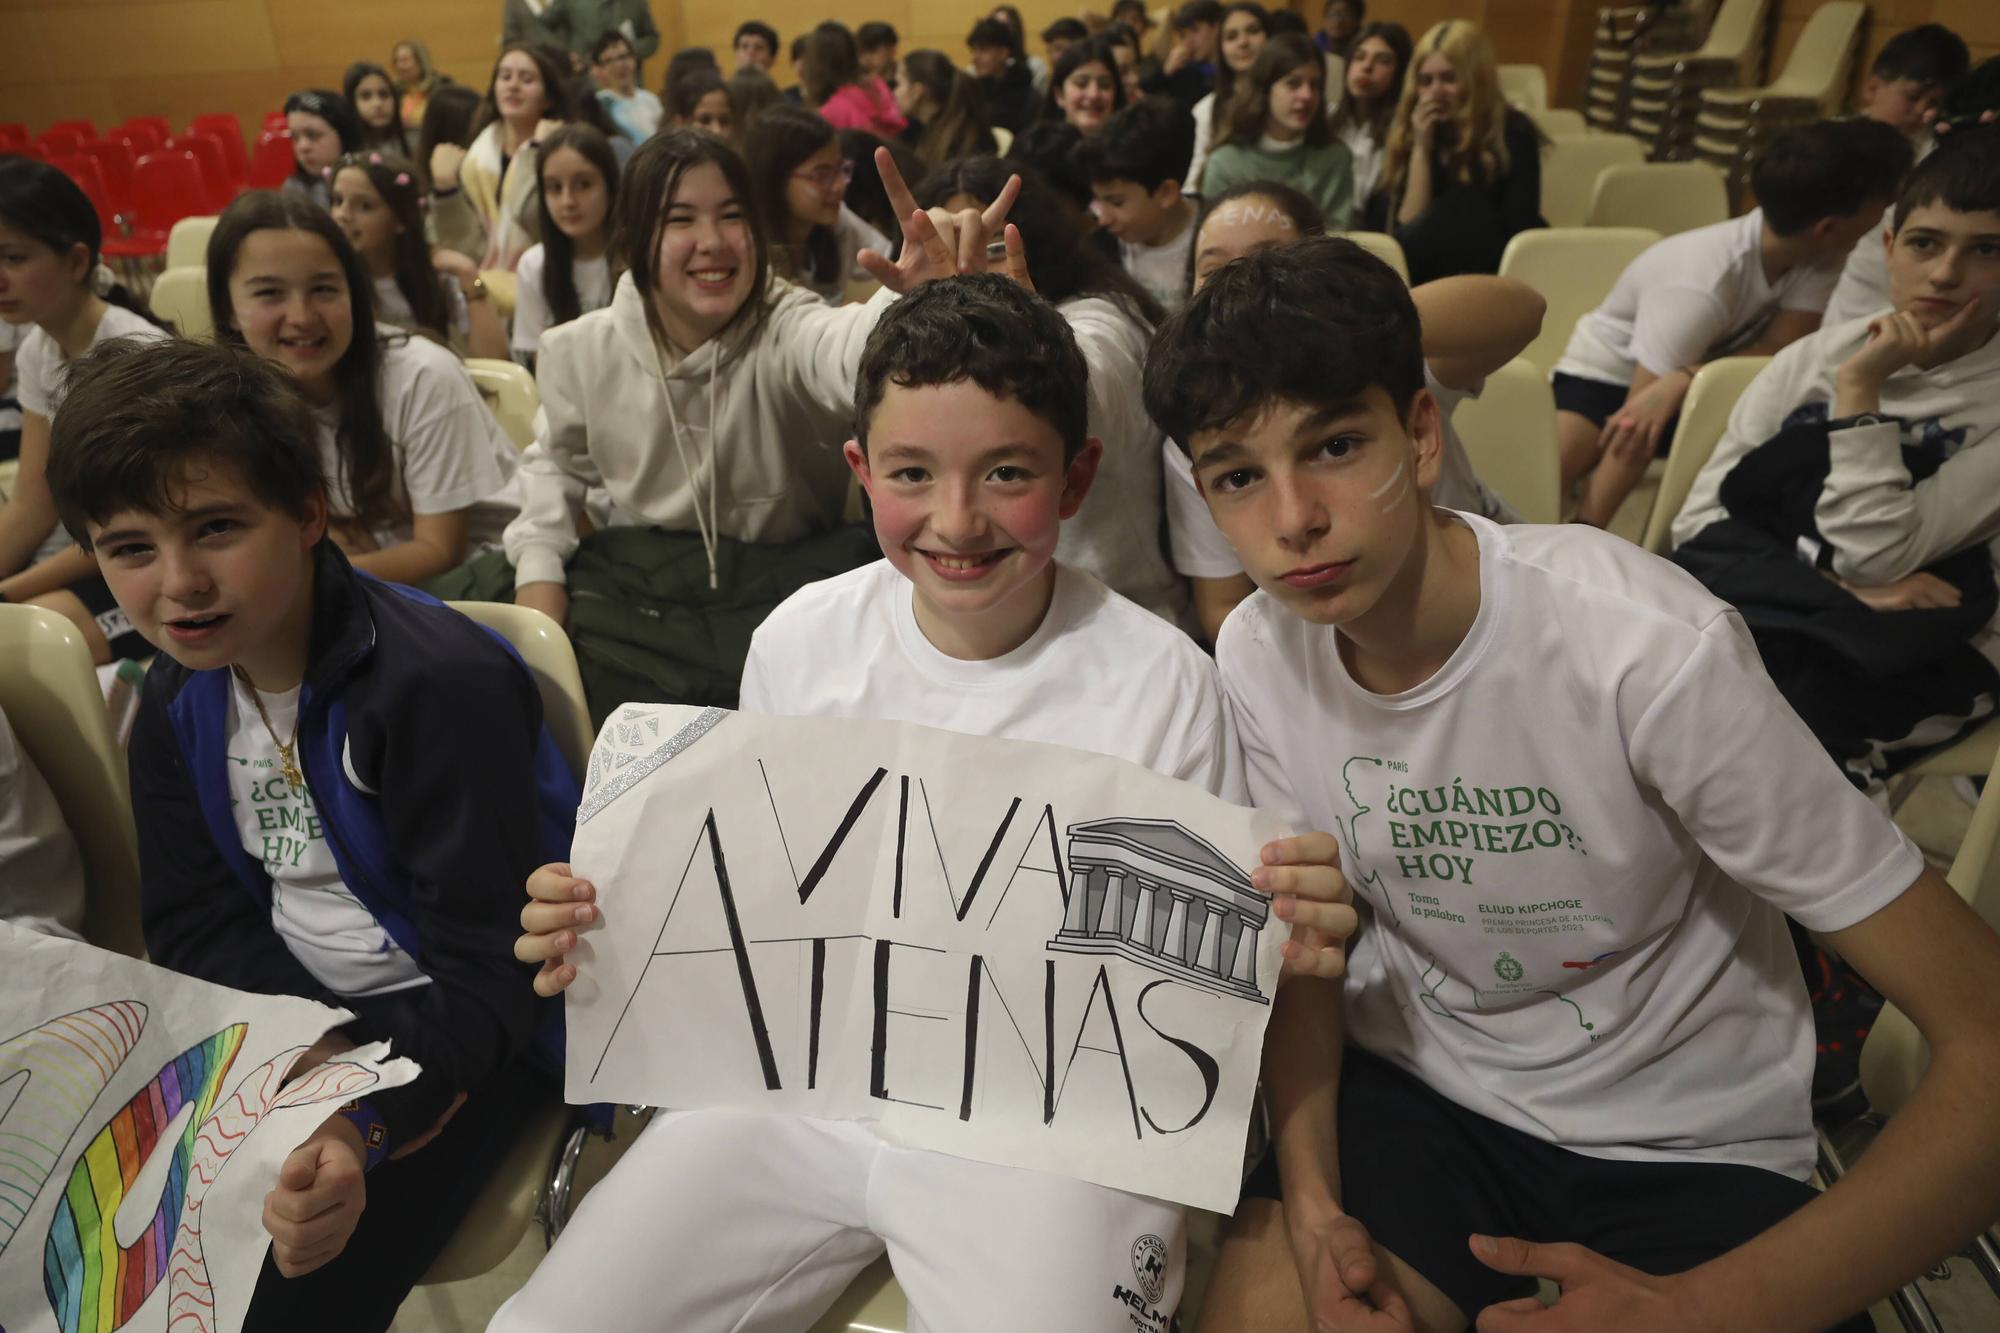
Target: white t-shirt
x,y
38,370
10,410
1161,269
531,307
1863,288
1549,835
451,452
392,307
1366,150
1200,551
319,919
1688,299
1098,674
636,116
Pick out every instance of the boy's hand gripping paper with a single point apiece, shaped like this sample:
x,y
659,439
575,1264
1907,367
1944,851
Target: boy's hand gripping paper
x,y
1010,951
143,1117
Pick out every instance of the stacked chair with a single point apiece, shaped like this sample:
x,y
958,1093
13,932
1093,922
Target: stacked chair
x,y
1667,87
1734,124
1625,32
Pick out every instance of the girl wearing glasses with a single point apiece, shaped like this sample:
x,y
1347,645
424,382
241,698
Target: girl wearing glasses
x,y
800,183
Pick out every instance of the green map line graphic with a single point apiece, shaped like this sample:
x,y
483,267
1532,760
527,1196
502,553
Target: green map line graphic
x,y
1351,829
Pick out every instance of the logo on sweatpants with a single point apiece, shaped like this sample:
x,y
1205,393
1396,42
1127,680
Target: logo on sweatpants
x,y
1149,1266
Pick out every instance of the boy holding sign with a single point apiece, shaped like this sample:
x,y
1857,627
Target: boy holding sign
x,y
970,441
1552,760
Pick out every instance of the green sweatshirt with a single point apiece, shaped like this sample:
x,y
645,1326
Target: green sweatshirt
x,y
1323,174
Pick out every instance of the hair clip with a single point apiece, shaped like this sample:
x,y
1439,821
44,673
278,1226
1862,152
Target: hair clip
x,y
403,179
375,159
326,173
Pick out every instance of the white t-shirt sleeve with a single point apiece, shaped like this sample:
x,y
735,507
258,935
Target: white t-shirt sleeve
x,y
1675,327
1212,759
1199,549
444,434
1757,792
34,369
753,695
531,307
1810,289
1264,778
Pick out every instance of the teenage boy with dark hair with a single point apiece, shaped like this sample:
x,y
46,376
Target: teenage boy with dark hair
x,y
970,417
1135,164
877,41
1746,287
1188,73
336,782
1573,1043
756,45
1059,36
1004,77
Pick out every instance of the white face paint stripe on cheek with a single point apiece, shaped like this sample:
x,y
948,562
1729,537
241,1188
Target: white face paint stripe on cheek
x,y
1400,479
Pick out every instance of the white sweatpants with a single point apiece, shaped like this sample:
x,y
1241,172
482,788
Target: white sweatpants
x,y
732,1222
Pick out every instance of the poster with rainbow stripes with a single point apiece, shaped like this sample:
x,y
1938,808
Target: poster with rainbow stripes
x,y
143,1117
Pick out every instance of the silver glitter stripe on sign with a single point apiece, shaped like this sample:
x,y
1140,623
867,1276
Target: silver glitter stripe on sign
x,y
617,786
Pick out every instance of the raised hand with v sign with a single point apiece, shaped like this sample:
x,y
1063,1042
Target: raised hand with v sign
x,y
938,243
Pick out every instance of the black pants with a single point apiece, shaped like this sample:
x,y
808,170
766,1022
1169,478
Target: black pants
x,y
413,1206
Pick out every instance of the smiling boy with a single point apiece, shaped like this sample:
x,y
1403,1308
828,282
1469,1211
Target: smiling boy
x,y
1574,808
1135,164
970,442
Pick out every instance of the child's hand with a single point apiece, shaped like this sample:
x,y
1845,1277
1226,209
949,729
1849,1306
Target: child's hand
x,y
1899,339
1342,1278
1424,119
446,159
936,243
1632,434
1303,876
560,904
1913,592
321,1192
455,265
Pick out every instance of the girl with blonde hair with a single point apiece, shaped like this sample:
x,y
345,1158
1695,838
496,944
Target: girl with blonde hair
x,y
1462,171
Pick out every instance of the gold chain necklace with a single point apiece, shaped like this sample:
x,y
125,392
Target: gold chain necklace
x,y
288,767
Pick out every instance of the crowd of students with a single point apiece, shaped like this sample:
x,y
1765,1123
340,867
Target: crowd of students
x,y
1146,462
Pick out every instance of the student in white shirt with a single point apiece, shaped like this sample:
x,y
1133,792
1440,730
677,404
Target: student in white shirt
x,y
635,111
971,442
417,468
801,183
1572,1042
1746,287
378,204
482,197
1369,93
1473,325
60,301
1245,26
568,272
1133,165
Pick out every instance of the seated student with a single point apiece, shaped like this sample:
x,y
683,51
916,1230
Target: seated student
x,y
378,204
876,42
755,45
1060,36
1245,28
62,301
1340,27
416,79
1572,1042
1369,94
1124,45
568,272
1134,168
575,26
801,180
1919,77
945,109
1038,68
448,118
371,94
41,872
1002,70
1084,89
1472,326
1748,287
334,781
483,198
751,94
322,127
614,66
847,95
1462,173
705,399
1187,73
971,441
687,61
1116,534
417,469
1277,131
701,101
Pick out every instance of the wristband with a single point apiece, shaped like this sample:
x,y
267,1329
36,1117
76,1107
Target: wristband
x,y
1861,419
374,1134
477,291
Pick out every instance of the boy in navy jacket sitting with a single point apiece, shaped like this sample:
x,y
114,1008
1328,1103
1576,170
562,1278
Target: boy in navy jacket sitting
x,y
337,783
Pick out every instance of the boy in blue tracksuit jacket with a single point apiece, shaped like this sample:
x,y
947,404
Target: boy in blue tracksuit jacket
x,y
339,785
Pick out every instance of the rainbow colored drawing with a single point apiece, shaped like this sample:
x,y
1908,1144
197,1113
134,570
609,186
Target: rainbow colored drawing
x,y
94,1285
49,1077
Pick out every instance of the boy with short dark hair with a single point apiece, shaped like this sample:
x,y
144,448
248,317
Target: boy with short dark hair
x,y
334,782
971,413
1746,287
1188,73
1135,164
755,45
614,67
1002,70
1059,36
1574,810
877,41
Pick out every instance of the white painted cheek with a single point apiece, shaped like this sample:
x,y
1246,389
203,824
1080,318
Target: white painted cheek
x,y
1399,482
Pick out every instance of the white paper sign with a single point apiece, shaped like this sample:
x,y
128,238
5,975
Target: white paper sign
x,y
143,1117
1013,952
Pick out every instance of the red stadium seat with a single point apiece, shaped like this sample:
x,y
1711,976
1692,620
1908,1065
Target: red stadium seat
x,y
143,138
84,129
114,159
276,120
13,137
166,187
84,171
56,140
224,126
158,124
273,163
214,174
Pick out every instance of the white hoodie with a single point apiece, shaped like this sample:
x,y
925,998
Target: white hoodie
x,y
779,400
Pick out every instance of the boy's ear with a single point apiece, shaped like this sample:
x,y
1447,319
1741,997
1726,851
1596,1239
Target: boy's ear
x,y
1078,476
1168,194
312,523
857,463
78,261
1425,427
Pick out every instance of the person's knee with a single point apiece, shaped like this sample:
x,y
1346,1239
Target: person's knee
x,y
1255,1286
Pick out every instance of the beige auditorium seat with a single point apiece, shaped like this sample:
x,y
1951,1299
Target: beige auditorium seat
x,y
1669,197
1574,269
1558,122
180,296
187,243
509,390
1383,246
552,662
1509,433
1524,86
1570,168
49,691
1704,415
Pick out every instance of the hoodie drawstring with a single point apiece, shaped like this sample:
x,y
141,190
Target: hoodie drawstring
x,y
708,524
